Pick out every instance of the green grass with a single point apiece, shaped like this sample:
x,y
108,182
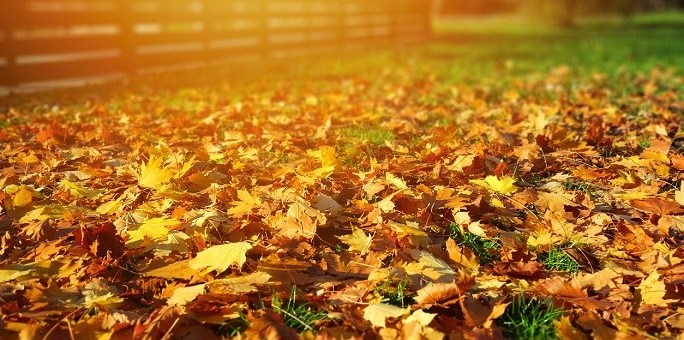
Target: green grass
x,y
529,319
514,47
372,134
558,260
300,317
394,292
485,249
581,186
234,327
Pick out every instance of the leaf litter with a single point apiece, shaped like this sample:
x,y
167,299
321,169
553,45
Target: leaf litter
x,y
357,209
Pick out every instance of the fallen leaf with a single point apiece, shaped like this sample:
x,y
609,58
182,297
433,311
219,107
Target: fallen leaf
x,y
378,313
358,241
504,185
219,258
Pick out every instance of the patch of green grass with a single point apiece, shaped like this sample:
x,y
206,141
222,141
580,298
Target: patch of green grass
x,y
373,134
484,248
234,327
300,317
394,292
587,188
644,143
558,260
529,319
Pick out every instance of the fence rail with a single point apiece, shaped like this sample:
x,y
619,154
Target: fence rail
x,y
47,40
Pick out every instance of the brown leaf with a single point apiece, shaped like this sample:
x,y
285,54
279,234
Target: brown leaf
x,y
101,240
269,326
658,206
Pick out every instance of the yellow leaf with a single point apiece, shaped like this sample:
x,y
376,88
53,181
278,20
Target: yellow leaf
x,y
22,198
430,266
220,257
464,257
81,191
176,270
99,293
420,317
182,296
12,274
239,285
109,208
555,201
462,161
435,293
386,205
153,176
652,290
504,185
358,241
245,205
476,229
679,194
377,313
155,229
396,181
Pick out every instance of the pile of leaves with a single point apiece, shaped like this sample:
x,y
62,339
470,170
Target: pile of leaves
x,y
396,206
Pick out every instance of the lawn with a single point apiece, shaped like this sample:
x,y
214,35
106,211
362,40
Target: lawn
x,y
498,180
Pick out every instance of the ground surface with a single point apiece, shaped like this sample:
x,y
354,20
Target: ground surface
x,y
523,184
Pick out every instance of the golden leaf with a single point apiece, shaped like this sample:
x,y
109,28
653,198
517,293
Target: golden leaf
x,y
245,205
420,317
652,291
220,257
155,229
503,185
22,198
182,296
377,313
153,175
357,241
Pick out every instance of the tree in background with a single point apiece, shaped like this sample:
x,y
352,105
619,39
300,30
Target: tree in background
x,y
562,12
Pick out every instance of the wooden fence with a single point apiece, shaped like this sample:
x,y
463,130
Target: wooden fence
x,y
47,40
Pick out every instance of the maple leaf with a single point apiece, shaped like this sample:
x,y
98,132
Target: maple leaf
x,y
245,205
679,194
10,274
421,317
436,293
220,257
658,206
154,229
357,241
153,175
504,185
98,293
463,257
81,191
182,296
22,198
462,161
652,291
269,326
378,313
241,284
430,266
555,201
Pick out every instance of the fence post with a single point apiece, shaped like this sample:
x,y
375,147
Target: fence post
x,y
8,17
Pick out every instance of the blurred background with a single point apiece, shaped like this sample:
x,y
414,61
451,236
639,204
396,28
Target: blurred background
x,y
55,43
559,12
